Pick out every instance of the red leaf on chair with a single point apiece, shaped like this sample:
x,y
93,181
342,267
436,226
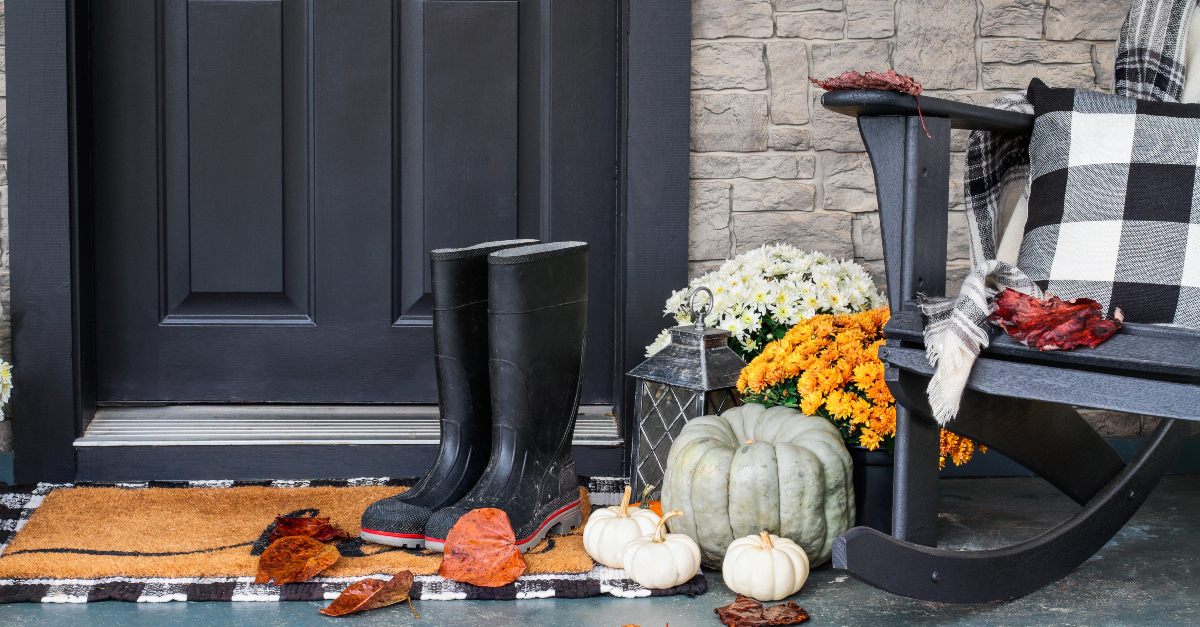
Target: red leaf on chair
x,y
1053,323
883,81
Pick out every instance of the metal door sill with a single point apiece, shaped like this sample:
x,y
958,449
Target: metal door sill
x,y
296,425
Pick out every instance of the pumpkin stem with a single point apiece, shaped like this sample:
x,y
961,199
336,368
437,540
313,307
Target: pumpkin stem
x,y
766,540
662,523
625,500
645,502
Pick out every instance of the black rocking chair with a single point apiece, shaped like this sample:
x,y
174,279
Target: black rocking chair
x,y
1019,401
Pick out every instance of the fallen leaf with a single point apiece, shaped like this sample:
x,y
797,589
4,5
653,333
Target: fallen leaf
x,y
315,527
370,594
295,558
481,549
746,612
1052,323
883,81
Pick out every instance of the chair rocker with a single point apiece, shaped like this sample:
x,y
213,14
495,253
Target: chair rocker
x,y
1019,401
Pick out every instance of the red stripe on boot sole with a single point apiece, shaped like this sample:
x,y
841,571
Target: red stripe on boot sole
x,y
528,537
390,534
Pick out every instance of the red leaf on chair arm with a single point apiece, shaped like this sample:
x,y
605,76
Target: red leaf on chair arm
x,y
884,81
1053,323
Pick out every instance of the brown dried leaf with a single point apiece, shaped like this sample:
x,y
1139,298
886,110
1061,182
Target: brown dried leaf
x,y
883,81
370,594
481,549
1052,323
317,528
295,558
746,612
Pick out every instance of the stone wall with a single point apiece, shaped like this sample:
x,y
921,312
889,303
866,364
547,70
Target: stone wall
x,y
769,164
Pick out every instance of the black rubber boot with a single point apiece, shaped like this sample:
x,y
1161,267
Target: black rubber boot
x,y
460,339
537,318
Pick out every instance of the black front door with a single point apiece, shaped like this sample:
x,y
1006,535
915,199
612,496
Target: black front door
x,y
270,175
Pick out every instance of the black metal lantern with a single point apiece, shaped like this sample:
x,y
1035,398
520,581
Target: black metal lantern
x,y
695,375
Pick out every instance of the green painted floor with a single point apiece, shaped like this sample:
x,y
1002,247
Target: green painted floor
x,y
1148,575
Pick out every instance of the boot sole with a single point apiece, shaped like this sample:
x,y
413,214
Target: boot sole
x,y
403,540
559,523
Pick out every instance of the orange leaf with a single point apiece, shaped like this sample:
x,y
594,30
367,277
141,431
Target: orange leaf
x,y
481,549
370,594
295,558
317,528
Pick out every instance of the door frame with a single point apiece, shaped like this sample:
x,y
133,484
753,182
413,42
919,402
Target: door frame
x,y
53,319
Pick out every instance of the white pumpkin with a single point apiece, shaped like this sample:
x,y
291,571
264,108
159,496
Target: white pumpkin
x,y
659,561
754,468
765,567
608,530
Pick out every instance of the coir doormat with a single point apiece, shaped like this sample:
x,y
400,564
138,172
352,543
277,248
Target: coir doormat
x,y
195,541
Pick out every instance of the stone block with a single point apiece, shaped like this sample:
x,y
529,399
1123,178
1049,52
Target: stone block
x,y
751,196
729,121
790,138
1012,18
1018,51
833,59
811,24
849,182
711,166
958,237
788,61
878,273
713,19
1004,76
834,131
868,238
729,65
709,236
956,272
870,19
700,268
808,5
941,42
958,173
1104,58
1084,19
829,233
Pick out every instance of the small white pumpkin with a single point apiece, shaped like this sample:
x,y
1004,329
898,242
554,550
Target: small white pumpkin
x,y
659,561
608,530
765,567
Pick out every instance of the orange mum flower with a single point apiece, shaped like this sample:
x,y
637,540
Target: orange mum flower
x,y
829,366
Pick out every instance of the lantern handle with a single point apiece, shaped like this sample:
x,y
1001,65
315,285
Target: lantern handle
x,y
697,314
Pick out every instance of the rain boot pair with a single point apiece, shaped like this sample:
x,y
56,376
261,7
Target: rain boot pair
x,y
509,320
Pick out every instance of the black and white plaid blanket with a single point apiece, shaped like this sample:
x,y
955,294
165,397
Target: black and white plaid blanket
x,y
18,503
1150,65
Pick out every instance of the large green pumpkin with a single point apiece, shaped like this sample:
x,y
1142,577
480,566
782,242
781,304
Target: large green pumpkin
x,y
755,469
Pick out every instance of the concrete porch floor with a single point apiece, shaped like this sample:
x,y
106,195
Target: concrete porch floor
x,y
1148,575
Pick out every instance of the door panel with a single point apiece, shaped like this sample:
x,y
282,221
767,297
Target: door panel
x,y
270,176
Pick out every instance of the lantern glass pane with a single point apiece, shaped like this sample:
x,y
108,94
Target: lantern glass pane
x,y
662,412
717,401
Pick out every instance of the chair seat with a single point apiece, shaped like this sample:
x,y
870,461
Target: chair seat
x,y
1155,352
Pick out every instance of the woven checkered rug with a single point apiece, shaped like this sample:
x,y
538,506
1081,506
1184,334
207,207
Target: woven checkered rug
x,y
17,504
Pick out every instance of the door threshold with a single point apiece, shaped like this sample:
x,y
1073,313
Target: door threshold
x,y
287,425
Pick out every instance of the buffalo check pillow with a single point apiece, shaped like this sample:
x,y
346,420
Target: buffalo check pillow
x,y
1114,203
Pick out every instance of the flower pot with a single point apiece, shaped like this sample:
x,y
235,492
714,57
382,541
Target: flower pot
x,y
873,474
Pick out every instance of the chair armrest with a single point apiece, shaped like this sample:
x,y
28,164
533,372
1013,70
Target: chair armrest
x,y
962,115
